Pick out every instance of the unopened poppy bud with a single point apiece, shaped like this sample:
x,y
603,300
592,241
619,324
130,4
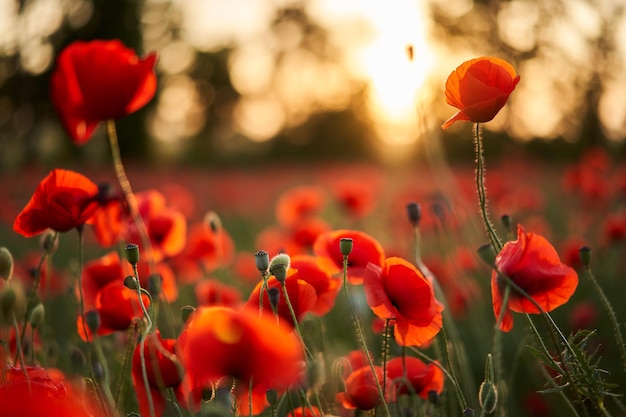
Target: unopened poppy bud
x,y
8,298
272,396
279,265
414,213
187,312
212,220
155,284
585,255
274,296
98,370
345,245
6,264
487,254
49,242
469,412
506,222
433,397
224,398
488,396
92,320
37,315
132,253
130,282
262,260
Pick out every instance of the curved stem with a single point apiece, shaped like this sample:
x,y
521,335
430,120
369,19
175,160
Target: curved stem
x,y
481,188
294,318
142,344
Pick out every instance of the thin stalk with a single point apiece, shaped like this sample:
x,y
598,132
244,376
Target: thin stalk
x,y
20,353
386,338
612,317
296,326
361,336
142,345
481,188
127,360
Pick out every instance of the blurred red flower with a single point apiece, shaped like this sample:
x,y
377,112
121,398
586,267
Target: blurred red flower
x,y
220,342
361,389
534,265
355,197
326,287
97,81
164,370
365,250
400,291
42,396
62,201
301,296
479,88
299,203
211,292
421,377
309,411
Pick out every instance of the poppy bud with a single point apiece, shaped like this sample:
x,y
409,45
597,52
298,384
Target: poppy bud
x,y
212,220
433,397
469,412
187,312
279,265
585,255
487,254
37,315
132,253
8,298
6,264
274,296
92,320
130,282
345,245
414,212
506,222
272,396
487,392
49,242
155,284
262,260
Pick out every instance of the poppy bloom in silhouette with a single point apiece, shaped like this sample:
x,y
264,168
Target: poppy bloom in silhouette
x,y
97,81
362,389
164,370
421,378
222,342
42,394
534,265
400,291
479,88
365,250
63,200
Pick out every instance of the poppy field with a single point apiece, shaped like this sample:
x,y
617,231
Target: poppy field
x,y
307,291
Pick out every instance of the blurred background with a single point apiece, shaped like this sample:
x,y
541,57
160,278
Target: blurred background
x,y
256,81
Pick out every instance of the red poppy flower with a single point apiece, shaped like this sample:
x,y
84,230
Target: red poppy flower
x,y
400,291
219,342
109,222
167,228
365,250
117,307
97,274
310,411
97,81
479,88
533,264
350,362
326,288
355,197
301,295
41,395
299,203
207,250
361,389
421,377
211,292
63,201
163,370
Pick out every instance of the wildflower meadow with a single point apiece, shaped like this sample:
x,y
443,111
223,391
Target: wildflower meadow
x,y
486,288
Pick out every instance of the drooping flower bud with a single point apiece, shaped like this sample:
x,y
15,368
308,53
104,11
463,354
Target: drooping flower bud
x,y
130,282
585,255
6,264
487,254
186,312
92,320
272,396
212,220
274,296
37,316
49,242
488,392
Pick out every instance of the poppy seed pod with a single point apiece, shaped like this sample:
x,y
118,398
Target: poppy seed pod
x,y
262,260
585,255
414,213
279,265
345,245
132,253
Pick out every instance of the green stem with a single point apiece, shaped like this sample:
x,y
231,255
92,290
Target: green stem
x,y
612,317
142,344
386,338
361,336
482,189
130,348
20,353
294,318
